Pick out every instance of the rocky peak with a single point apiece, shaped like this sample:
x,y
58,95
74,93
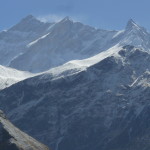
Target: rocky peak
x,y
132,25
67,19
30,23
29,18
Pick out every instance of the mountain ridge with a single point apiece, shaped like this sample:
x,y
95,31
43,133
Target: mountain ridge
x,y
10,76
65,40
90,87
100,101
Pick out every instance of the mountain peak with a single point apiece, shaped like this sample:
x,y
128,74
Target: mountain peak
x,y
67,19
29,18
29,24
132,25
131,21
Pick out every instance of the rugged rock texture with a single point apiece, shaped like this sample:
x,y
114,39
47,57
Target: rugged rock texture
x,y
11,138
98,103
103,107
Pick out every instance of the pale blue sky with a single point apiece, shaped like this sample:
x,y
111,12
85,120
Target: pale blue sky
x,y
106,14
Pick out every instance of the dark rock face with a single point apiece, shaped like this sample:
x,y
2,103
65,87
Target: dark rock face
x,y
11,138
105,107
4,141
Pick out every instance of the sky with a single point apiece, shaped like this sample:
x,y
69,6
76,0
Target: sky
x,y
105,14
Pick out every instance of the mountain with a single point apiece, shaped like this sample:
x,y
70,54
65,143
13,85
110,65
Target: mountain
x,y
14,40
68,40
135,35
9,76
11,138
90,87
97,103
35,46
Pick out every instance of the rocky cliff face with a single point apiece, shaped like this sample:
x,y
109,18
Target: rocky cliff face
x,y
11,138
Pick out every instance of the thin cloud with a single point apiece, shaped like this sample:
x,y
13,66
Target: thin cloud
x,y
50,18
57,18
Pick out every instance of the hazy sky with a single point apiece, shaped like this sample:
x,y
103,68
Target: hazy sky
x,y
106,14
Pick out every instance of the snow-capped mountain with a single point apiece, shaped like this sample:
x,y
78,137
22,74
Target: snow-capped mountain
x,y
14,40
34,46
95,103
94,91
66,40
134,35
9,76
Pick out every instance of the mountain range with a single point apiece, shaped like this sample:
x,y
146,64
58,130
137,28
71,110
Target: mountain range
x,y
75,87
34,46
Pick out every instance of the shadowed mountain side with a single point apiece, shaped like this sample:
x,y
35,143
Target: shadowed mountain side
x,y
11,138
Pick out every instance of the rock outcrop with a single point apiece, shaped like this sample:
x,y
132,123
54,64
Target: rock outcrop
x,y
11,138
